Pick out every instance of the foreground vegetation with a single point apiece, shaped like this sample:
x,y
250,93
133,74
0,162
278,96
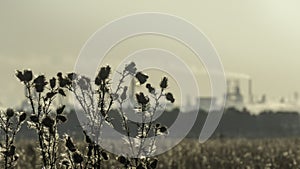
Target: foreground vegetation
x,y
214,154
54,149
96,98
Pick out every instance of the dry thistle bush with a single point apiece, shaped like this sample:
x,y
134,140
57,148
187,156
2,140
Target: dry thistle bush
x,y
44,118
96,99
10,124
144,129
93,102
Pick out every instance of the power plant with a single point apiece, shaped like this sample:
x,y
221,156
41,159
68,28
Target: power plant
x,y
234,95
240,95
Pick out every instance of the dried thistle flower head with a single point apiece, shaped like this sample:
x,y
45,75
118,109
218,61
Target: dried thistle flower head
x,y
40,83
48,122
77,158
62,118
60,109
163,129
169,97
22,117
150,88
20,75
34,118
83,83
27,75
164,83
10,112
142,99
87,138
72,76
131,68
104,155
124,93
70,145
142,78
123,160
52,82
102,75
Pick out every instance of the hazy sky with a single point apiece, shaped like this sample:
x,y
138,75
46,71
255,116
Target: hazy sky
x,y
258,38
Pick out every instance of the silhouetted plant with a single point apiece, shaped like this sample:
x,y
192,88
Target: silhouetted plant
x,y
97,98
145,130
10,124
41,94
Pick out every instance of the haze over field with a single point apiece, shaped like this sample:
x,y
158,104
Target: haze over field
x,y
258,38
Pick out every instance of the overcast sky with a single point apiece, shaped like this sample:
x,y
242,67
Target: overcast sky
x,y
258,38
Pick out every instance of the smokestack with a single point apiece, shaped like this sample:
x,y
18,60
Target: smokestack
x,y
250,91
132,91
296,97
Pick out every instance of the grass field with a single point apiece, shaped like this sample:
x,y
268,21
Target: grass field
x,y
281,153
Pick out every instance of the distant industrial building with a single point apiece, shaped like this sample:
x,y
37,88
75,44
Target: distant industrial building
x,y
207,102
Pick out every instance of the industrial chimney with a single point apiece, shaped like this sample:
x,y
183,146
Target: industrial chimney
x,y
250,94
